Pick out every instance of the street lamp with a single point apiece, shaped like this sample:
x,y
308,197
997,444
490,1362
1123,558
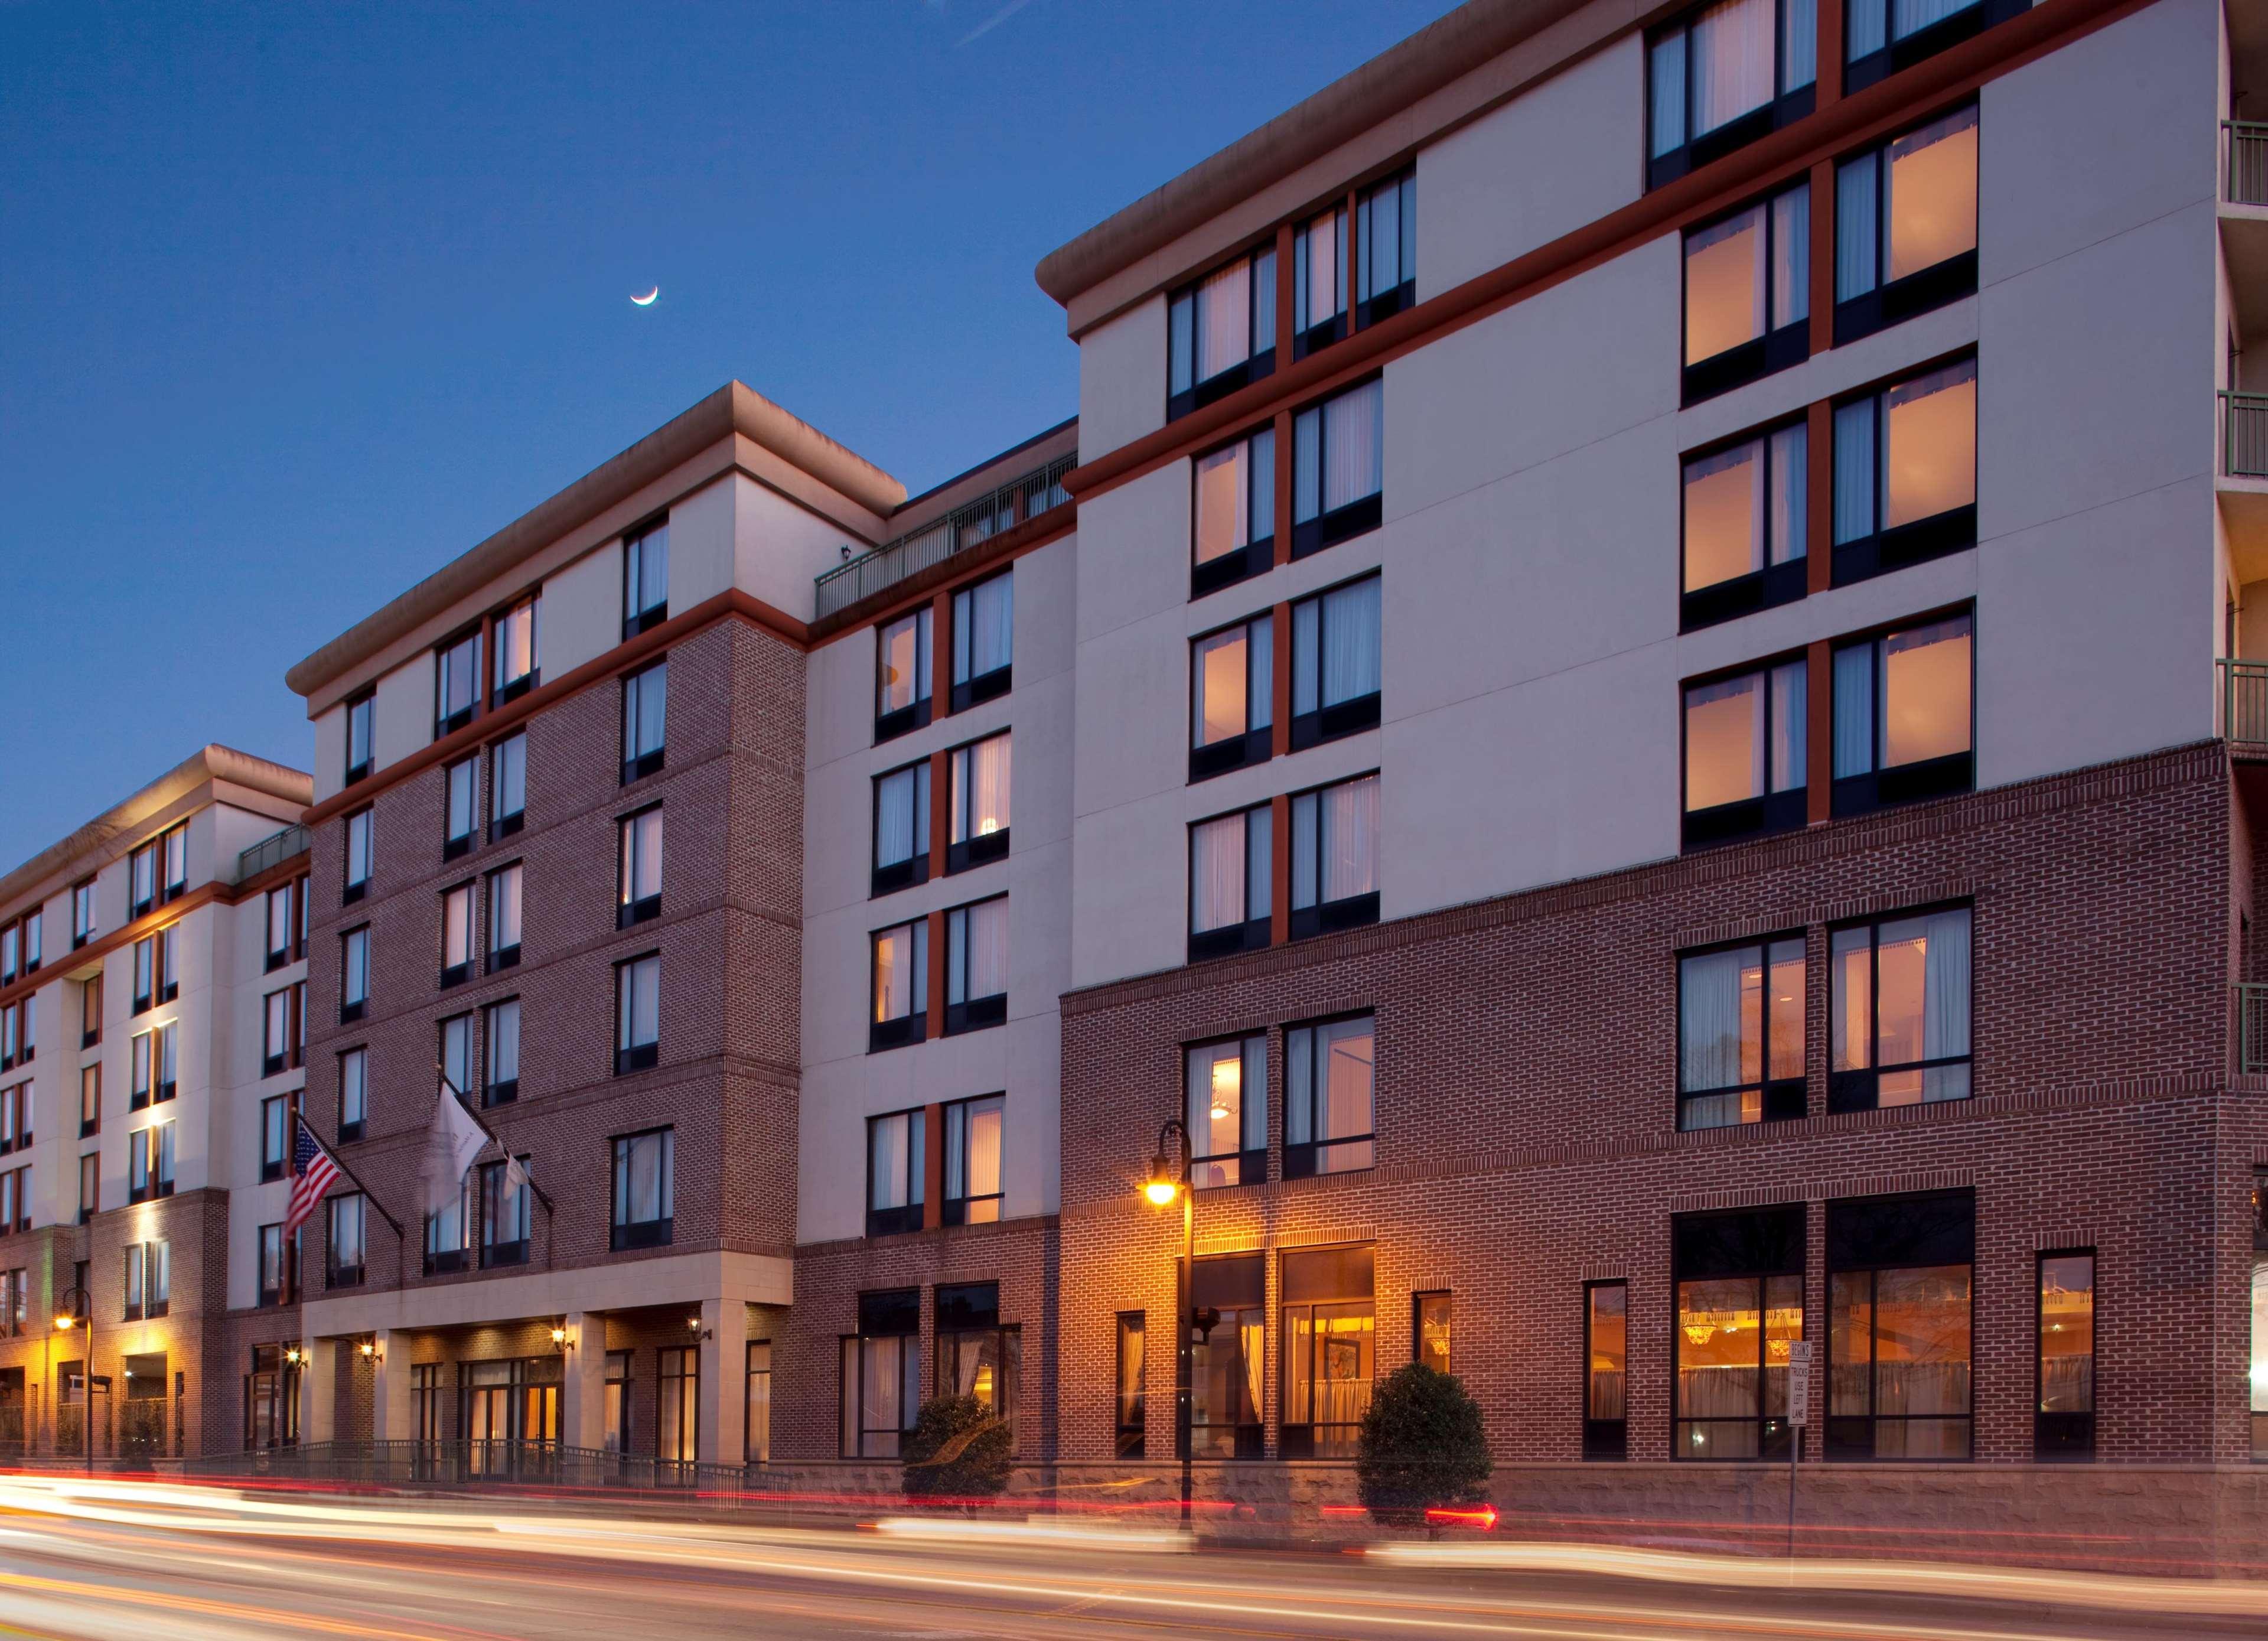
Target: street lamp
x,y
1160,1190
77,1310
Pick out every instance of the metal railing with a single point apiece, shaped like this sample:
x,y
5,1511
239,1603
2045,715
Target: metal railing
x,y
472,1463
2243,700
2247,162
963,528
2252,1028
2244,435
269,852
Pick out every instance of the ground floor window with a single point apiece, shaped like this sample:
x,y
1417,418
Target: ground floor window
x,y
1899,1327
271,1398
142,1421
677,1423
882,1375
1133,1384
1429,1329
618,1401
757,1443
1740,1307
1606,1342
1228,1340
1330,1354
977,1356
2260,1359
2063,1425
425,1401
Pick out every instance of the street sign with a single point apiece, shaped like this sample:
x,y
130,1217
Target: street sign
x,y
1799,1383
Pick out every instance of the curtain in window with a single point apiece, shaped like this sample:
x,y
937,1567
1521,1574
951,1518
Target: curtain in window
x,y
1790,256
1865,24
1345,1107
1724,741
894,819
878,1394
1259,871
1307,465
1923,710
503,1042
1910,17
642,984
991,624
1221,700
1858,226
1725,286
1929,436
1354,454
1799,44
897,971
1733,54
1181,345
1790,489
1787,727
1929,194
1256,481
1854,471
1216,1085
888,1170
983,1175
1222,487
1383,233
988,783
1350,842
1723,500
1667,115
1223,320
1351,642
1709,1020
1321,255
1945,986
1854,710
987,939
1217,851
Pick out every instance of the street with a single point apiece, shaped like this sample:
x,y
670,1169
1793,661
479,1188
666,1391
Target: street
x,y
143,1560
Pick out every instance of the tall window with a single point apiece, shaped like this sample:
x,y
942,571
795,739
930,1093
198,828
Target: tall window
x,y
973,1140
1902,715
1745,755
145,983
90,1100
1739,1034
83,920
90,1010
1748,293
16,1126
141,881
1724,75
34,928
149,1163
645,700
1387,248
507,1212
504,917
282,927
2063,1425
1220,333
1882,36
89,1193
449,1233
1740,1307
166,1041
11,951
637,893
354,1093
645,578
1606,1353
174,855
1745,528
507,786
1906,473
882,1375
278,1037
500,1039
1228,1347
1228,1111
1335,857
148,1279
977,965
976,1356
677,1435
460,812
638,1013
980,803
1329,1349
142,1063
1335,663
1905,226
169,942
1319,275
1234,508
16,1193
983,640
361,858
1429,1330
644,1185
1232,696
456,1053
344,1240
2258,1374
901,827
1898,1017
516,649
897,1151
274,1136
362,714
902,675
1328,1096
901,986
1899,1327
457,683
756,1431
457,934
1229,886
1338,457
1132,1401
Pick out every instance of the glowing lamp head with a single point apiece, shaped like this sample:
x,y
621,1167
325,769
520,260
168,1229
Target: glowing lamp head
x,y
1161,1188
559,1335
693,1322
63,1324
292,1356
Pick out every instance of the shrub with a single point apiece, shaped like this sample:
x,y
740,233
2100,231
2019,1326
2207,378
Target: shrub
x,y
957,1449
1421,1447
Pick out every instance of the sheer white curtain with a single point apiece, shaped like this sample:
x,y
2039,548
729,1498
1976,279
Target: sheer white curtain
x,y
1223,320
1910,17
1217,874
985,767
1799,44
1945,998
1351,642
503,1042
887,1170
1790,491
1854,471
1857,227
1787,727
1666,70
1733,52
1790,256
1353,444
894,819
1864,24
1709,1020
991,625
1221,489
988,948
1345,1107
1320,296
1854,710
984,1167
1350,842
1381,242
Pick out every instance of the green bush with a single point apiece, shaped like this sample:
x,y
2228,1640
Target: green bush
x,y
957,1449
1421,1447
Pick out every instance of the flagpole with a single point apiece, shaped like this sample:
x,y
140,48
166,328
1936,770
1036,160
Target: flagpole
x,y
365,1190
482,1123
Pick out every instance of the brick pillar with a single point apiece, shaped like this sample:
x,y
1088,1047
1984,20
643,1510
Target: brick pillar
x,y
390,1416
724,1389
318,1393
582,1396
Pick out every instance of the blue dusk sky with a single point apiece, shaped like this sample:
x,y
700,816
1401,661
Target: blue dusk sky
x,y
297,302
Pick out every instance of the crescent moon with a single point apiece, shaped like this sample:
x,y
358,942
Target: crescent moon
x,y
647,300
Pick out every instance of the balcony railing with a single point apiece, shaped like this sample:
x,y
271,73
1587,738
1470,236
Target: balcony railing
x,y
2252,1028
893,562
2244,435
2243,700
270,851
2247,162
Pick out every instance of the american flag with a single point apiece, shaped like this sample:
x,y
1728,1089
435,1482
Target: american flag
x,y
313,1171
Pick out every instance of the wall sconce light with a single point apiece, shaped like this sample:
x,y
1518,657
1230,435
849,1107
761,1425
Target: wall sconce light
x,y
560,1337
698,1331
370,1350
292,1356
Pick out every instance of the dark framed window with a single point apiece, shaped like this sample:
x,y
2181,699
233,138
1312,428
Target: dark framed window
x,y
1330,1359
645,703
1900,1322
644,1171
1905,226
1722,76
901,986
1228,1111
274,1136
977,965
166,1041
1900,998
1744,524
461,811
977,1356
277,1038
1233,511
1740,1033
456,682
881,1390
903,674
173,856
1330,1096
507,786
900,828
346,1245
168,943
35,931
1386,249
282,926
90,1100
1221,332
1740,1307
519,629
500,1053
507,1211
449,1233
11,949
82,919
1335,857
1906,473
983,640
1606,1357
1338,458
1748,294
144,962
141,881
2063,1421
1131,1401
142,1062
1904,722
756,1433
361,856
638,1013
1230,887
504,899
1879,38
1335,662
1746,749
637,888
275,1266
362,715
1319,282
455,1054
149,1163
16,1200
16,1118
90,1009
980,783
1429,1329
898,1172
354,1093
90,1184
1232,697
974,1134
645,578
149,1293
1228,1342
458,924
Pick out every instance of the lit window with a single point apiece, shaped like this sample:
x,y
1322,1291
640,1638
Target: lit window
x,y
1748,294
1900,1301
1745,755
1746,531
1329,1349
1905,226
979,830
1233,508
1739,1034
1740,1308
2063,1425
901,986
1228,1112
1229,883
1328,1072
1232,696
1220,333
1724,75
902,675
1335,857
1906,473
1338,456
973,1139
1225,1359
882,1375
1903,724
1899,1014
1606,1342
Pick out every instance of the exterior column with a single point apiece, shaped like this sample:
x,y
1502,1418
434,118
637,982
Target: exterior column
x,y
318,1388
390,1416
724,1389
583,1398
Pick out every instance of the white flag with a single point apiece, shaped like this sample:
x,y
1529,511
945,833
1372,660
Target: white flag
x,y
451,1144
